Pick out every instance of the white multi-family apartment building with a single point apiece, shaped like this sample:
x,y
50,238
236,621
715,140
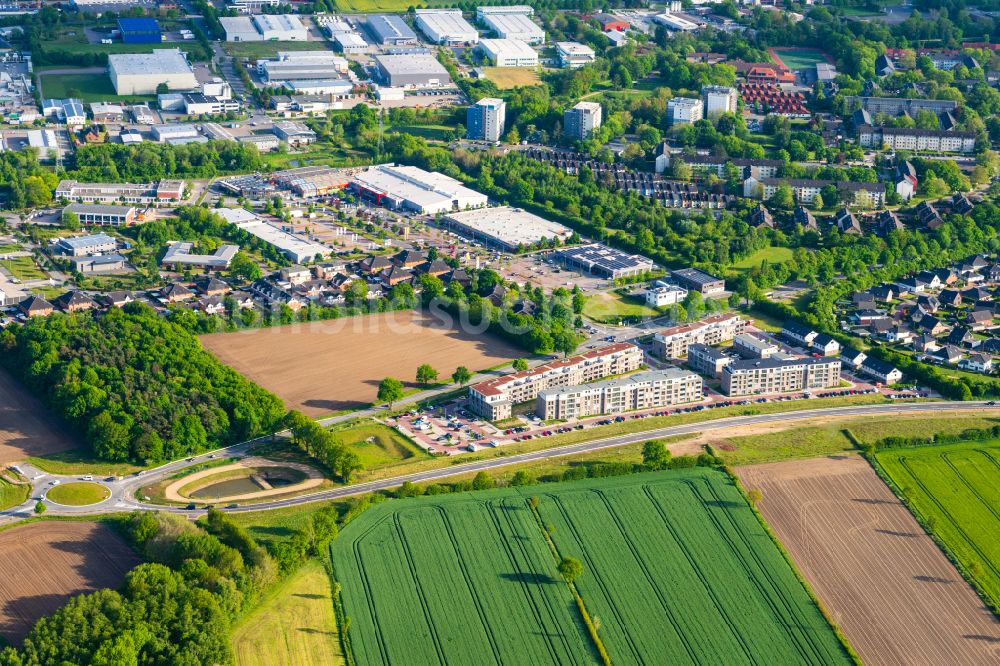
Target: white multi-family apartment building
x,y
775,375
645,390
909,138
494,398
674,342
805,190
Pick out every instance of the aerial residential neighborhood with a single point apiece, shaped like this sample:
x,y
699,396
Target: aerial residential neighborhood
x,y
348,332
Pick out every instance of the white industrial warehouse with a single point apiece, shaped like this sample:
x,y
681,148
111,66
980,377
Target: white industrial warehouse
x,y
506,227
410,188
515,26
508,53
293,247
264,28
142,73
445,26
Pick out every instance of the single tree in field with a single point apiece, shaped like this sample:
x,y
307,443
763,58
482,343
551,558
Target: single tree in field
x,y
390,390
426,374
655,455
40,507
461,376
520,364
755,496
570,568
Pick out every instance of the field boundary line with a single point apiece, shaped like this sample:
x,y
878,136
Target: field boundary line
x,y
369,594
965,481
408,552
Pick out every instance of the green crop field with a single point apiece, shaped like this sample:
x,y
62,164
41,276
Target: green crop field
x,y
956,490
676,569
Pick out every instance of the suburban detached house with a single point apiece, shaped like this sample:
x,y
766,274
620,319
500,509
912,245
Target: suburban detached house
x,y
35,306
948,354
116,299
931,325
75,301
952,297
977,363
175,293
882,371
852,358
884,293
825,344
924,344
960,336
899,334
799,333
980,320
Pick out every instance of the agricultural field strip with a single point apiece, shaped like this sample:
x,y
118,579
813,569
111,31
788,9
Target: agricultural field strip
x,y
946,495
879,597
724,601
433,595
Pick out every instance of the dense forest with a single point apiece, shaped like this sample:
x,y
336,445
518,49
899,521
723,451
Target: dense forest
x,y
135,386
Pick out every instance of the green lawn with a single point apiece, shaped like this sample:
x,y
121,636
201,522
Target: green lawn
x,y
78,493
435,132
294,624
78,462
13,494
254,50
808,442
23,268
609,306
773,255
87,87
7,249
459,578
796,59
379,445
956,491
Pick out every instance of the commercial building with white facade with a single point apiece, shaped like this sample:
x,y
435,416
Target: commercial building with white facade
x,y
413,70
645,390
508,53
486,119
515,26
302,65
264,28
411,188
389,30
684,110
164,191
181,255
580,121
142,73
776,375
573,55
495,398
505,227
510,10
719,100
293,247
662,294
673,342
910,138
445,26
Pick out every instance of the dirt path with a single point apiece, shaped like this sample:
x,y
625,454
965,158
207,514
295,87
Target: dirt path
x,y
884,581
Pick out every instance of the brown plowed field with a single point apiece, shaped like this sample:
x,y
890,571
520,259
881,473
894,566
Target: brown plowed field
x,y
327,366
884,581
43,564
26,427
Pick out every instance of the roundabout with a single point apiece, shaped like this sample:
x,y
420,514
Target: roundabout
x,y
247,480
78,493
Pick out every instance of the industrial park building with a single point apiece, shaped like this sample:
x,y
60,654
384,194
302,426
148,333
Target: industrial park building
x,y
414,70
508,53
164,191
505,227
604,261
495,398
673,342
510,10
645,390
388,30
574,55
446,26
140,30
142,73
302,66
411,188
264,28
102,214
580,121
775,375
515,26
295,248
180,255
486,119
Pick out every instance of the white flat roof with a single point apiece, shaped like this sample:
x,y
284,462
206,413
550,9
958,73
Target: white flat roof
x,y
508,48
511,24
510,226
426,189
574,49
160,61
296,248
446,24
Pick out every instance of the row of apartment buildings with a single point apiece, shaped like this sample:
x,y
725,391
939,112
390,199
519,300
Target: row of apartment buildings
x,y
644,390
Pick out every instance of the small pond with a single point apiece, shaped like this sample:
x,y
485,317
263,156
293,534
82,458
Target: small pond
x,y
275,477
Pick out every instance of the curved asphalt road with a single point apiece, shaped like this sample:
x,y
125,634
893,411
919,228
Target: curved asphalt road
x,y
123,497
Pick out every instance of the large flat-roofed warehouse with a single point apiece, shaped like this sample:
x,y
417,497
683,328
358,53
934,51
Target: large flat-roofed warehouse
x,y
389,30
515,26
446,26
414,70
264,28
410,188
164,191
697,280
302,65
293,247
312,181
142,73
505,227
140,30
181,255
604,261
508,52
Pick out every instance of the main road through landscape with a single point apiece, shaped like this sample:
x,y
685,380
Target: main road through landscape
x,y
123,490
